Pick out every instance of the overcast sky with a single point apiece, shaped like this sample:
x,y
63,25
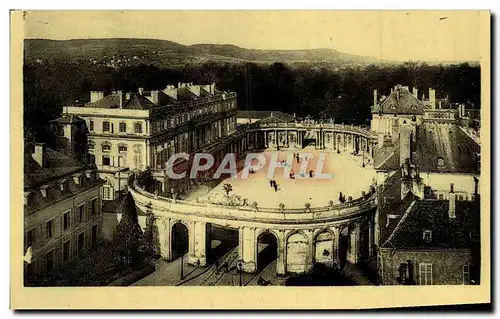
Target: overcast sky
x,y
417,35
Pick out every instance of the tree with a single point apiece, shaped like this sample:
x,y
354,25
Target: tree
x,y
228,188
128,233
146,180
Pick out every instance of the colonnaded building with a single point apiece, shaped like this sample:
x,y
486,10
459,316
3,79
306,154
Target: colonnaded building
x,y
422,152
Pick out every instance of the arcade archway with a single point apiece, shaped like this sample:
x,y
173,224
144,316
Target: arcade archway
x,y
180,240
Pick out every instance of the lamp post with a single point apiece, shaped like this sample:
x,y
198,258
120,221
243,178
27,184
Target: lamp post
x,y
182,266
240,266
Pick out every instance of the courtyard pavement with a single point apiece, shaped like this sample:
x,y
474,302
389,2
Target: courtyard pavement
x,y
348,177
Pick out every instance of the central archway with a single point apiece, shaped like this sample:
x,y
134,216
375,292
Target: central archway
x,y
296,253
267,249
180,240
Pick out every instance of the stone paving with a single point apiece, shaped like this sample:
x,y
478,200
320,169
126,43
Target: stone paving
x,y
348,177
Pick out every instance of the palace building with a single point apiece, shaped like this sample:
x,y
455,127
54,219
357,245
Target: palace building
x,y
130,131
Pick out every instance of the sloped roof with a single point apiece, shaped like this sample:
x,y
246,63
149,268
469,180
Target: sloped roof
x,y
138,102
56,165
400,101
449,142
68,119
108,102
387,158
460,232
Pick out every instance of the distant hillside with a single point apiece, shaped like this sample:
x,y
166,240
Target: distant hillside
x,y
148,50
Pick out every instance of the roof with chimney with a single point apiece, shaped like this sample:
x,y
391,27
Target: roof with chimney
x,y
439,147
400,101
445,232
58,169
112,101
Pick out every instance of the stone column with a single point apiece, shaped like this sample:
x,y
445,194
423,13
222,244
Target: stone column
x,y
354,241
165,237
336,246
197,244
247,249
281,262
265,139
370,236
311,249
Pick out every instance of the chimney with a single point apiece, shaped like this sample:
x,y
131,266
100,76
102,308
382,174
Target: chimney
x,y
120,98
415,93
432,98
96,96
127,96
39,154
452,203
179,85
155,97
439,104
141,91
405,142
375,100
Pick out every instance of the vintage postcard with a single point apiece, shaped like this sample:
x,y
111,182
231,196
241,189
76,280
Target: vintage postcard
x,y
250,159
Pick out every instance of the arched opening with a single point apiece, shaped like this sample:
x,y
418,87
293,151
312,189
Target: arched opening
x,y
180,240
365,240
308,138
296,253
220,241
267,250
343,246
323,248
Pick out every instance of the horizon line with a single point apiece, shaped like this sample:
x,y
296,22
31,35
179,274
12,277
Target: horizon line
x,y
234,45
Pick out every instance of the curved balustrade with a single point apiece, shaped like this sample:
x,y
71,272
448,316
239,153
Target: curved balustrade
x,y
348,210
306,126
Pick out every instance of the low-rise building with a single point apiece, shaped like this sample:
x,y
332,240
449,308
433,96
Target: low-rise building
x,y
62,209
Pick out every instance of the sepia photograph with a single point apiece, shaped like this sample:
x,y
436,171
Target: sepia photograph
x,y
260,149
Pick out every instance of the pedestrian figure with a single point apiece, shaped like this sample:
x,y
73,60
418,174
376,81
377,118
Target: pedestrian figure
x,y
271,183
275,186
340,197
311,173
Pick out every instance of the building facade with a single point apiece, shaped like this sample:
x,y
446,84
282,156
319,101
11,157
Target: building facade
x,y
428,174
128,132
62,209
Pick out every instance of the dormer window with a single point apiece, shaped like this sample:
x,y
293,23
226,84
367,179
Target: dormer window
x,y
63,185
427,236
45,190
77,178
393,106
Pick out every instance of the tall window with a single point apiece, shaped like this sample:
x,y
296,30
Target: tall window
x,y
49,261
30,238
425,274
123,127
107,193
94,207
81,213
105,126
94,234
105,160
66,221
81,242
137,127
106,147
66,250
466,275
49,229
122,148
91,125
